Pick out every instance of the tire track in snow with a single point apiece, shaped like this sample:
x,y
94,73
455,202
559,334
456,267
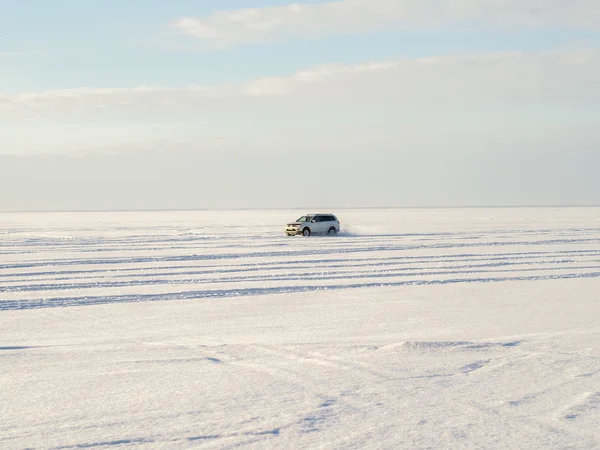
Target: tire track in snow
x,y
86,265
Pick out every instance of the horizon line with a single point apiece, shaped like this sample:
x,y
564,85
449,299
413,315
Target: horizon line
x,y
26,211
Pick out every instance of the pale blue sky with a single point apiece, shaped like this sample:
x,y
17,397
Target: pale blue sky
x,y
391,79
114,43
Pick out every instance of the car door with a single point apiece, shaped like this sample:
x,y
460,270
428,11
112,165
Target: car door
x,y
322,224
316,225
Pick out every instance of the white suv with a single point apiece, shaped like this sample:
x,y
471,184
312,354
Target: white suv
x,y
314,224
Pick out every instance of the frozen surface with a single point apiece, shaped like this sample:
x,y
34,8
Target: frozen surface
x,y
450,328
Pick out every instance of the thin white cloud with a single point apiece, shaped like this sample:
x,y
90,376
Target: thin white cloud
x,y
517,77
228,28
436,102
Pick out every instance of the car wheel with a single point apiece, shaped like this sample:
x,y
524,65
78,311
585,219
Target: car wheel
x,y
306,232
332,232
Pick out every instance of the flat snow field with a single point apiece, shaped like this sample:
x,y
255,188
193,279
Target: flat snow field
x,y
425,328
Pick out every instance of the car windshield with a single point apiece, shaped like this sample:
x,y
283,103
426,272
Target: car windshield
x,y
304,219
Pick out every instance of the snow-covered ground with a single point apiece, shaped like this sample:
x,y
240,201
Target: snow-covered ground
x,y
431,328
